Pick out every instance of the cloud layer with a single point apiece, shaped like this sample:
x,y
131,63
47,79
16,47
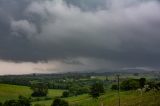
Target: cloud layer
x,y
107,34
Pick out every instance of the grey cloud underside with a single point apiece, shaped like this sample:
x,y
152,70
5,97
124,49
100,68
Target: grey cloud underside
x,y
123,32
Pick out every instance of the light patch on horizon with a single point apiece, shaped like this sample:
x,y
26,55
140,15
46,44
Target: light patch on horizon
x,y
9,68
67,65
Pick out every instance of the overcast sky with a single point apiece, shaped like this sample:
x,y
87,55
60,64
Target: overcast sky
x,y
48,36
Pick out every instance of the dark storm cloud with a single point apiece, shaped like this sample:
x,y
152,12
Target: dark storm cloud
x,y
119,33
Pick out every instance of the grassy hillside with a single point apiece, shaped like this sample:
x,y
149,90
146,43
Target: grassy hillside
x,y
13,91
71,100
130,98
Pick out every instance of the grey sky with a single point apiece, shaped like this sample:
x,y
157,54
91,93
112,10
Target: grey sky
x,y
80,35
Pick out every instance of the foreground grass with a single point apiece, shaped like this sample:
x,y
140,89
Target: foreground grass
x,y
129,98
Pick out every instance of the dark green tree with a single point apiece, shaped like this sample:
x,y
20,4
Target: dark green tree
x,y
65,94
59,102
22,101
142,82
114,87
96,90
39,89
130,84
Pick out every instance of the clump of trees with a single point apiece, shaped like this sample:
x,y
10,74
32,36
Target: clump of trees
x,y
39,89
97,89
130,84
142,82
22,101
133,84
59,102
152,85
114,87
75,89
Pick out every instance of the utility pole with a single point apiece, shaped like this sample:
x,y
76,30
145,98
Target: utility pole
x,y
118,90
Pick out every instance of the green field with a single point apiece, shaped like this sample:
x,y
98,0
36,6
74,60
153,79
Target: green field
x,y
13,91
131,98
71,100
128,98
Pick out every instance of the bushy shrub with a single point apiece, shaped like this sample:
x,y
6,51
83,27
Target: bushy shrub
x,y
59,102
114,87
130,84
76,89
65,94
142,82
22,101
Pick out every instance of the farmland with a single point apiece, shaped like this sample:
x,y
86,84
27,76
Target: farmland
x,y
129,98
11,87
8,92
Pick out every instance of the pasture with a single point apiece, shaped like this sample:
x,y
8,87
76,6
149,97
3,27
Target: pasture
x,y
110,97
8,92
